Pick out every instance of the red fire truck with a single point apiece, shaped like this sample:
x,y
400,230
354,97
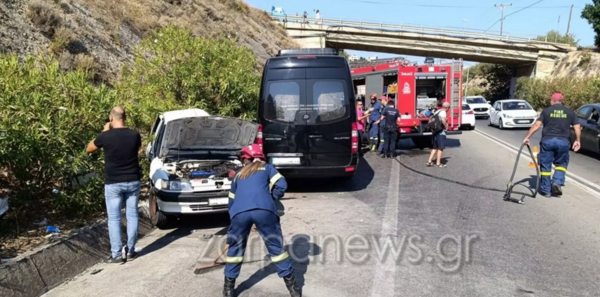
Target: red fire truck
x,y
414,89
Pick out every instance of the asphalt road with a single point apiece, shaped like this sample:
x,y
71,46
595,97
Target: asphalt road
x,y
583,164
487,246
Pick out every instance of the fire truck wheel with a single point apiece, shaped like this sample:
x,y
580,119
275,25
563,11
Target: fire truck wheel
x,y
422,142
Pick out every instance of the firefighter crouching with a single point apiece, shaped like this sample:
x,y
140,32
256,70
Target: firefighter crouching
x,y
554,146
251,203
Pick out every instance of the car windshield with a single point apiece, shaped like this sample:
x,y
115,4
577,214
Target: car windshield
x,y
476,100
516,105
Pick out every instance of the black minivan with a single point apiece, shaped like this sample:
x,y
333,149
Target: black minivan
x,y
307,114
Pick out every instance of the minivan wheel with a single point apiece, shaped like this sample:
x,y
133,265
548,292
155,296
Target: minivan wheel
x,y
157,217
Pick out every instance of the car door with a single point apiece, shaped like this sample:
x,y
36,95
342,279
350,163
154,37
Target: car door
x,y
495,113
589,130
329,116
151,147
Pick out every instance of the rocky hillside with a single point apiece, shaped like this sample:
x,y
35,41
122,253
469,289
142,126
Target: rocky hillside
x,y
101,35
578,64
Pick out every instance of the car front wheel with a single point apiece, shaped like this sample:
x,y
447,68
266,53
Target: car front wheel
x,y
157,217
500,124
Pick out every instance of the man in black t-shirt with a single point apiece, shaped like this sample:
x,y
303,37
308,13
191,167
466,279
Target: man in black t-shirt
x,y
554,146
389,116
122,181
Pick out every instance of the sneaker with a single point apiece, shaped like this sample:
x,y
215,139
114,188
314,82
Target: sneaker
x,y
556,189
545,195
132,255
111,260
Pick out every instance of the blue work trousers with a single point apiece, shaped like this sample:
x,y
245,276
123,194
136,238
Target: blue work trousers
x,y
390,141
381,140
553,151
267,224
374,134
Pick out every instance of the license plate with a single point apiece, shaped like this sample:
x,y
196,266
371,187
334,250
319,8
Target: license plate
x,y
523,122
286,161
218,201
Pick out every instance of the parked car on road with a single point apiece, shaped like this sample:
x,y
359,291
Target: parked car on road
x,y
481,107
191,156
468,118
589,118
512,113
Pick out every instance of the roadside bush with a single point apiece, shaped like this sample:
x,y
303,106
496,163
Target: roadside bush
x,y
48,117
577,91
45,17
174,70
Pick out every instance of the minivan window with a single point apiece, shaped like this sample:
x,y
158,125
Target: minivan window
x,y
283,101
582,112
329,100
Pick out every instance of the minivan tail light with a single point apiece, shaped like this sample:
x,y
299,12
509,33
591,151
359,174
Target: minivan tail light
x,y
259,136
354,138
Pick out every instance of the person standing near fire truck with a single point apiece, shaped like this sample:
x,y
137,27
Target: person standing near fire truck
x,y
374,120
384,102
389,116
557,121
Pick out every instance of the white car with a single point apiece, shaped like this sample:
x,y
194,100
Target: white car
x,y
481,107
512,113
468,118
191,156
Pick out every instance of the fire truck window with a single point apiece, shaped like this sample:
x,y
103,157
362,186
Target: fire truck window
x,y
329,99
283,101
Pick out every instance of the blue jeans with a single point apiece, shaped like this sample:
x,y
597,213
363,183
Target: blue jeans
x,y
553,151
381,140
374,134
115,195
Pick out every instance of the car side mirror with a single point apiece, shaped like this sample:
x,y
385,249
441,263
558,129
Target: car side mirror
x,y
497,108
489,102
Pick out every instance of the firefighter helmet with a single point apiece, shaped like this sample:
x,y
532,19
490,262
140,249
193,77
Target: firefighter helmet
x,y
252,151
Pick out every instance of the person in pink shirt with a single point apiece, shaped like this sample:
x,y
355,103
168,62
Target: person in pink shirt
x,y
360,121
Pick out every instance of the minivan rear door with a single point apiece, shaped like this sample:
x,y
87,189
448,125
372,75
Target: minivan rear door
x,y
329,114
283,111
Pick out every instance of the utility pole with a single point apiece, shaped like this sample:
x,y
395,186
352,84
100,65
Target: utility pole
x,y
569,23
502,7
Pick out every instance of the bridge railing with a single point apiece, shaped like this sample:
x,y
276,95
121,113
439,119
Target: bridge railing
x,y
316,24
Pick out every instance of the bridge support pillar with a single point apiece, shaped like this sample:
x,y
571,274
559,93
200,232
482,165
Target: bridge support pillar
x,y
520,71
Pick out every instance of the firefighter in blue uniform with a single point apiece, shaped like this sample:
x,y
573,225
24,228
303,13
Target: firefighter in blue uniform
x,y
556,120
251,203
390,115
374,121
384,101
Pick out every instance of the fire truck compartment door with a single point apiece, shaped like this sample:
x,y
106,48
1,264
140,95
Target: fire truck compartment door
x,y
431,75
374,84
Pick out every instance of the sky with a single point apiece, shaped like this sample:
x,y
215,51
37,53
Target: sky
x,y
543,16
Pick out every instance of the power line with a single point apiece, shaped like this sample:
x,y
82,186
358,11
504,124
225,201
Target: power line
x,y
444,6
513,14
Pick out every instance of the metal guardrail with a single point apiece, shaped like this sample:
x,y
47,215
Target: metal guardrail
x,y
463,32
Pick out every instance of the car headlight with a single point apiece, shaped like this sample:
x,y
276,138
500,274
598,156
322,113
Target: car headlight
x,y
179,185
507,116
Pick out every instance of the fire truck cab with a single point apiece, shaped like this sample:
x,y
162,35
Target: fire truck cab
x,y
415,89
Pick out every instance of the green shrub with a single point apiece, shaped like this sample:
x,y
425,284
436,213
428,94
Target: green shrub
x,y
48,117
577,91
174,70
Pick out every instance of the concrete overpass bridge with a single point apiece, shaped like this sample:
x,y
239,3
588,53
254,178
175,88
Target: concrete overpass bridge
x,y
527,56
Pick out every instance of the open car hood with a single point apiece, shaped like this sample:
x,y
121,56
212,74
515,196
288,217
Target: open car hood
x,y
208,133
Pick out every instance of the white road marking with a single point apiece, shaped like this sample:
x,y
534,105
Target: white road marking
x,y
577,180
385,270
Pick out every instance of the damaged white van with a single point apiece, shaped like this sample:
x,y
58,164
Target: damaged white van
x,y
191,155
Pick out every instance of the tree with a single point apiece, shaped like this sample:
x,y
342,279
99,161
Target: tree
x,y
555,36
344,54
498,78
591,12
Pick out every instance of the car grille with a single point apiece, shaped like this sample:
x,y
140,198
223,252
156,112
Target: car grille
x,y
518,121
199,207
480,109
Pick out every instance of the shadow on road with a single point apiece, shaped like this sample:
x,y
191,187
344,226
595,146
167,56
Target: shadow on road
x,y
299,250
185,226
364,176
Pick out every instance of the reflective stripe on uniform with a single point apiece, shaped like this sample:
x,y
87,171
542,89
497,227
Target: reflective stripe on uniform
x,y
234,259
231,195
546,173
383,140
560,168
274,179
280,258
